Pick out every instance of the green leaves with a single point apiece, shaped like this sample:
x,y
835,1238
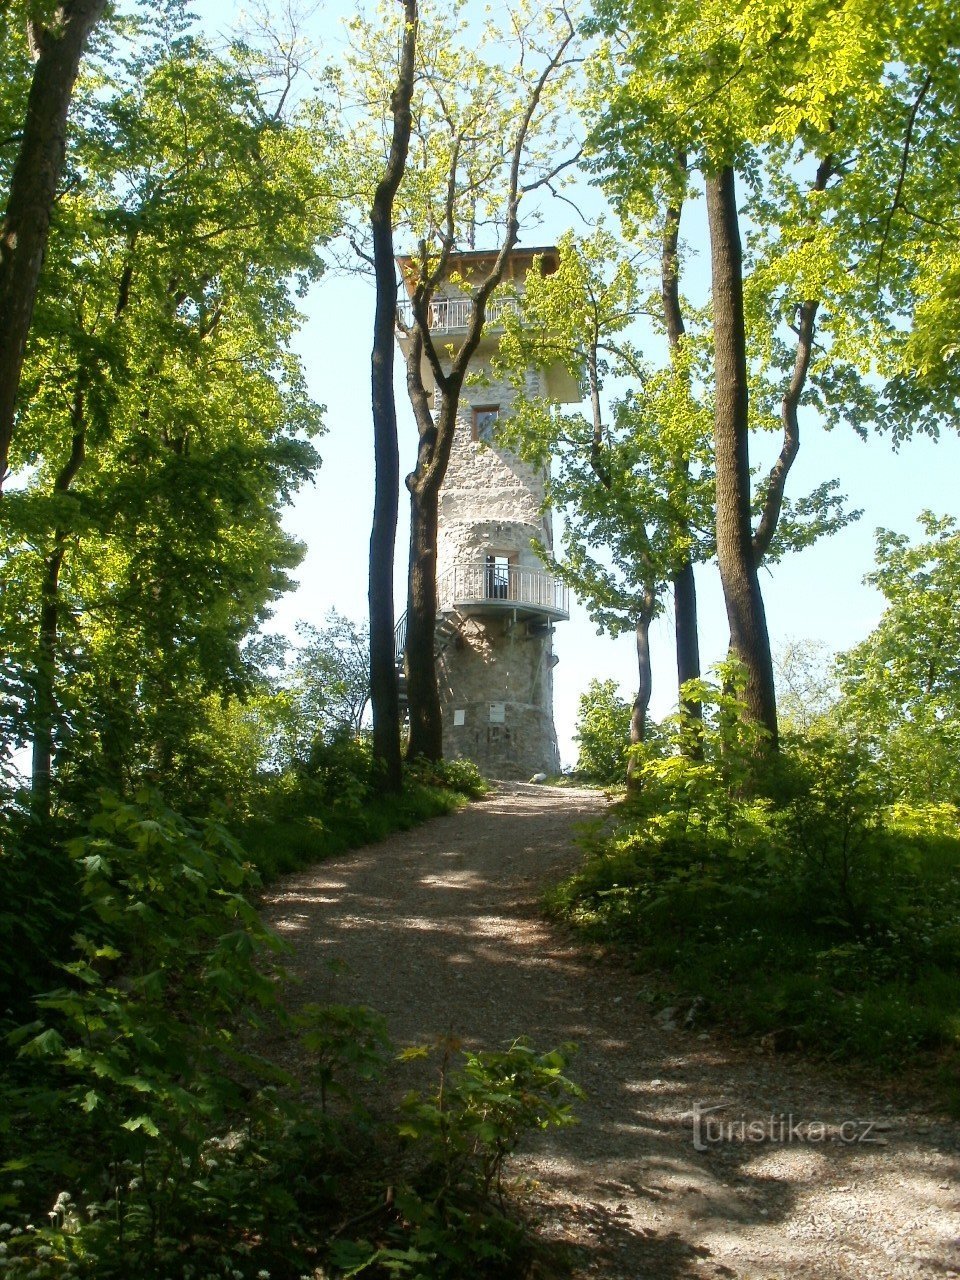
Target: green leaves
x,y
901,686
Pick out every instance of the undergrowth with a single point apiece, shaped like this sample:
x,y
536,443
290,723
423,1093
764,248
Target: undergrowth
x,y
148,1128
792,899
333,802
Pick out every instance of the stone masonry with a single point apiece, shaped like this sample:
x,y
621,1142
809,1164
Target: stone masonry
x,y
495,645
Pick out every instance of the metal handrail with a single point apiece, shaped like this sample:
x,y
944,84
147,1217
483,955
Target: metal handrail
x,y
447,315
506,585
400,638
502,584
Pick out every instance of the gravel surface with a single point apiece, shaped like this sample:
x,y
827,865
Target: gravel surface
x,y
439,929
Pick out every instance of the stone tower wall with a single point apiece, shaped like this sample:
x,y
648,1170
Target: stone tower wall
x,y
496,672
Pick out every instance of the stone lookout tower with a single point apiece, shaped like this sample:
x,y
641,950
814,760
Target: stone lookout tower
x,y
497,605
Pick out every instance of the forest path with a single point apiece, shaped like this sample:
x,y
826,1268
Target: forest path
x,y
439,929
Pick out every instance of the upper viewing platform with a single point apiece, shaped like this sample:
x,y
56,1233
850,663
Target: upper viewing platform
x,y
450,310
453,315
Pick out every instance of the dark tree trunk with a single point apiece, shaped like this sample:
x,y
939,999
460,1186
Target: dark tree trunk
x,y
436,442
384,683
749,639
687,637
426,724
33,188
641,703
44,692
686,623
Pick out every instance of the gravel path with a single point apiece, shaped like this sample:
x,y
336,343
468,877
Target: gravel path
x,y
439,929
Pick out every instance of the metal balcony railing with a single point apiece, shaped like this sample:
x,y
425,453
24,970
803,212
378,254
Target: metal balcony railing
x,y
503,586
452,315
492,587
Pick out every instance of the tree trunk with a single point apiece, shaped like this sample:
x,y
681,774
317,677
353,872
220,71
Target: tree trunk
x,y
641,703
687,637
33,188
426,723
749,639
384,683
686,623
436,442
44,691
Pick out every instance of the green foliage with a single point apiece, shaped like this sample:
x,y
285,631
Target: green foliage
x,y
333,801
346,1043
603,732
165,420
330,682
774,92
449,1217
635,481
807,689
135,1101
800,902
38,911
901,686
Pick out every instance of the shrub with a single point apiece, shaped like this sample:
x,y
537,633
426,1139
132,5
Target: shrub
x,y
136,1105
603,732
787,895
449,1218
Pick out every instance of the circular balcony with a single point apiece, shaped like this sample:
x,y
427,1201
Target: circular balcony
x,y
502,588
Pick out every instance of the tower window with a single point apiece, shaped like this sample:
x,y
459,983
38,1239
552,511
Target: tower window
x,y
484,421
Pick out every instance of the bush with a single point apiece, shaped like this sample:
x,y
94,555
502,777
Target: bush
x,y
449,1217
603,732
788,896
333,803
137,1108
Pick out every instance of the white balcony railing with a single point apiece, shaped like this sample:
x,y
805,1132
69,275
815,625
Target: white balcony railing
x,y
452,315
503,586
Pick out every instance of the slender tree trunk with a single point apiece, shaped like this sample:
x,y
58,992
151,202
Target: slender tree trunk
x,y
687,637
749,638
641,703
424,483
44,694
686,623
33,187
384,684
426,723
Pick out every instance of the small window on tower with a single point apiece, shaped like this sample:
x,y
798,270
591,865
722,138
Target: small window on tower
x,y
484,421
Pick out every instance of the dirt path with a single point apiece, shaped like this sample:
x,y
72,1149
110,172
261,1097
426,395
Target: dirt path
x,y
439,929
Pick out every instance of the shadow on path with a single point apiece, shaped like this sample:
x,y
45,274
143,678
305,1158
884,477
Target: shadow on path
x,y
439,930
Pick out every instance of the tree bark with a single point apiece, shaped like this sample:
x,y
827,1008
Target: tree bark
x,y
44,693
33,187
384,683
749,638
686,623
641,703
424,483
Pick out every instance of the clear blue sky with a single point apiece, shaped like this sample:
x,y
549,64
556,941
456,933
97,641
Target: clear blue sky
x,y
816,594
